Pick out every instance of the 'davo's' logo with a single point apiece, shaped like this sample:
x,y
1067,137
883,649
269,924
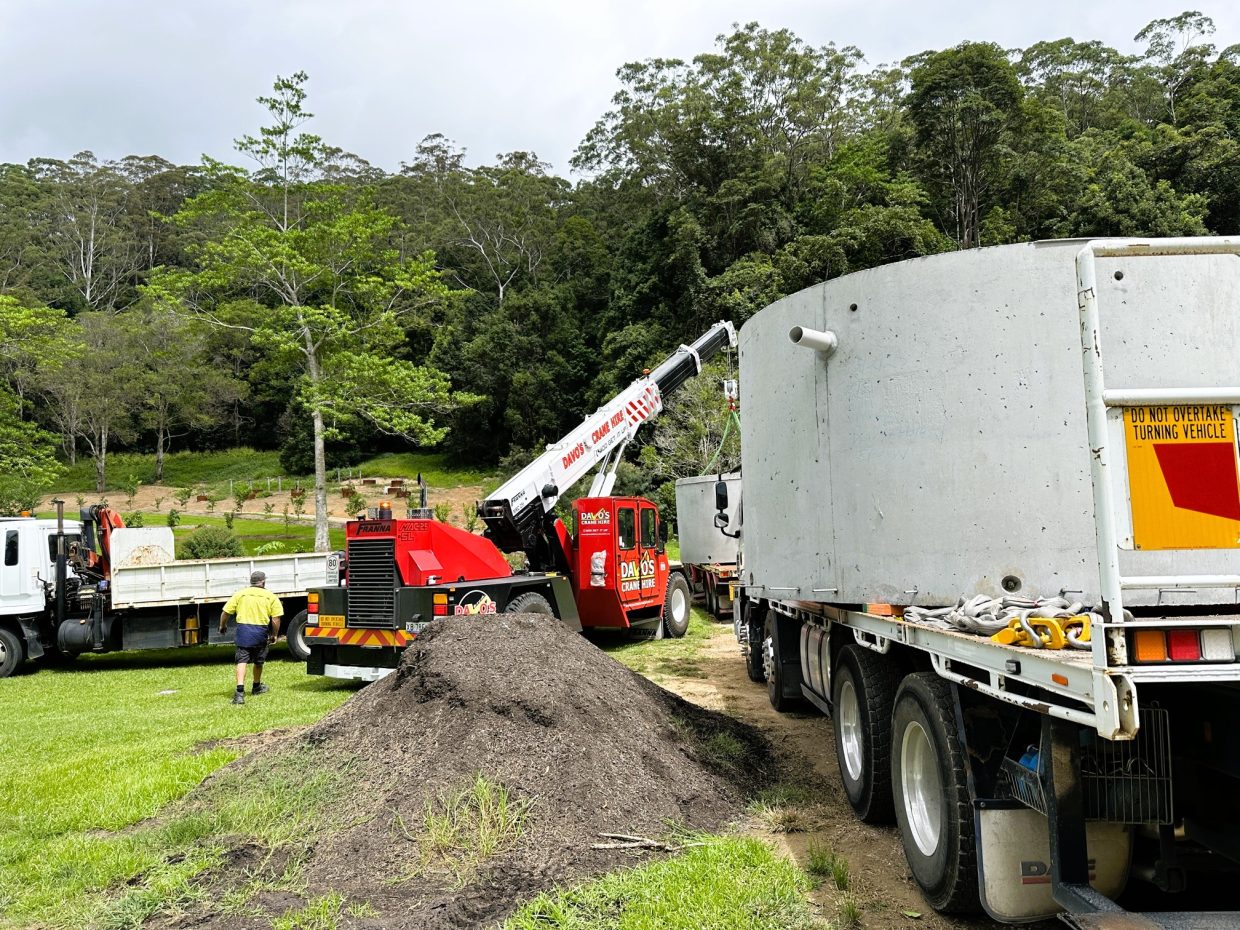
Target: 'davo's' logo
x,y
600,517
473,604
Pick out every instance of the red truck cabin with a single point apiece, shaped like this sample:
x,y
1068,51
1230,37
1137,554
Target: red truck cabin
x,y
618,564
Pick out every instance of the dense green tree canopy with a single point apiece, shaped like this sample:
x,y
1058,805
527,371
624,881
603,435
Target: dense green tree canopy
x,y
314,301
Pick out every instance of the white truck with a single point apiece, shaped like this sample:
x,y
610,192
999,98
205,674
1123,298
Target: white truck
x,y
709,553
98,586
991,525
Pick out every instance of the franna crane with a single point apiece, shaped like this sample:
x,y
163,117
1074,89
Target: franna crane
x,y
609,570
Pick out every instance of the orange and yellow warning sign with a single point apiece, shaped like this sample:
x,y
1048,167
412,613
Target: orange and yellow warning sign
x,y
1183,476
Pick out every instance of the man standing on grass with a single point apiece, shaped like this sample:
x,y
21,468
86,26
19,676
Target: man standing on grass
x,y
258,614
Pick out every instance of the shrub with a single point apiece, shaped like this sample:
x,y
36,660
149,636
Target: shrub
x,y
183,495
229,516
357,503
241,493
174,517
443,512
134,520
211,542
469,513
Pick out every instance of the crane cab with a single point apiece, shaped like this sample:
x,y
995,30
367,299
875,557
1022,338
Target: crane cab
x,y
618,563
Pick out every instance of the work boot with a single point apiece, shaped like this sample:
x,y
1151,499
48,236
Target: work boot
x,y
259,689
238,697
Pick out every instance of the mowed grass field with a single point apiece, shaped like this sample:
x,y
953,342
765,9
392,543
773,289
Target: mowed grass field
x,y
105,820
216,469
90,750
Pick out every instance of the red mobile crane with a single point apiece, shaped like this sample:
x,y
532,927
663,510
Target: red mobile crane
x,y
610,570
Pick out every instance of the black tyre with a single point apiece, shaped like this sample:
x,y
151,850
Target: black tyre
x,y
676,601
296,636
11,653
931,794
773,666
863,691
711,597
753,649
530,602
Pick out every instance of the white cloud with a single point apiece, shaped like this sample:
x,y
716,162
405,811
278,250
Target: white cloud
x,y
179,78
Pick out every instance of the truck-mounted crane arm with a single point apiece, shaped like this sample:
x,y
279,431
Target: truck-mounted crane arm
x,y
516,515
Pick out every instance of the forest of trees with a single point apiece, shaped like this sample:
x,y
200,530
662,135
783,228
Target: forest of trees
x,y
308,300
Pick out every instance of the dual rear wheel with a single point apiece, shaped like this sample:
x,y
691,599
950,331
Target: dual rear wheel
x,y
900,757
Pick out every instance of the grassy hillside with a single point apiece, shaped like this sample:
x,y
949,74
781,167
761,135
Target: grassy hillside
x,y
215,469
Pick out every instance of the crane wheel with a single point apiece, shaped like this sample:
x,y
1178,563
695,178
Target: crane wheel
x,y
531,602
676,601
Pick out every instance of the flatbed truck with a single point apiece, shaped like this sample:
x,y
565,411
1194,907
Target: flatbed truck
x,y
95,585
991,526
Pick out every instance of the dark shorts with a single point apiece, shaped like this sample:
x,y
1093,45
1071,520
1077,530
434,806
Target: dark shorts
x,y
251,643
255,655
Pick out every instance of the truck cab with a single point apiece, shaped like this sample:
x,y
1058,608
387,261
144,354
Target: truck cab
x,y
619,565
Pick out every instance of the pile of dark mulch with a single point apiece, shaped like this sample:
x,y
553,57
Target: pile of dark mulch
x,y
526,703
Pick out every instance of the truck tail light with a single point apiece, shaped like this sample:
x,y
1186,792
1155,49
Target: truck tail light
x,y
1151,645
439,606
1209,645
1183,645
312,603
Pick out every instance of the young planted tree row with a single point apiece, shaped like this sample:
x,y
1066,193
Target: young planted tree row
x,y
309,300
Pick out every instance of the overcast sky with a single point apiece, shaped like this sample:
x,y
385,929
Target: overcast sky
x,y
178,78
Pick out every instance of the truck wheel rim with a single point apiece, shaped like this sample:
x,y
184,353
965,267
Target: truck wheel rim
x,y
679,606
922,788
768,657
849,722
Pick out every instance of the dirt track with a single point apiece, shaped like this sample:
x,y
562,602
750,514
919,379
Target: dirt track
x,y
881,882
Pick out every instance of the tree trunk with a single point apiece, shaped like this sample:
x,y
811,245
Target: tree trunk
x,y
100,456
160,442
322,541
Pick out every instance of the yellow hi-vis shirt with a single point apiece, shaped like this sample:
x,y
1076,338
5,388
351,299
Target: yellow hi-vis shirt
x,y
255,606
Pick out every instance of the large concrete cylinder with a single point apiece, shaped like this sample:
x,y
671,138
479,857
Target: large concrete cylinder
x,y
941,448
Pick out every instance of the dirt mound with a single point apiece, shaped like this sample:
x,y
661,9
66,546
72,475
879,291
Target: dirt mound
x,y
582,746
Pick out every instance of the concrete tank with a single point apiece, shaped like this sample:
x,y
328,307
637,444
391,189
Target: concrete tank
x,y
940,447
701,542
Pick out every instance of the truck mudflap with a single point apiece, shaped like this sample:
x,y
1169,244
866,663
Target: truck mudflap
x,y
1014,860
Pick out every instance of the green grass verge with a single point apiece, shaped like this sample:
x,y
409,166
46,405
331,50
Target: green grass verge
x,y
726,882
435,467
181,470
93,749
655,657
216,469
296,537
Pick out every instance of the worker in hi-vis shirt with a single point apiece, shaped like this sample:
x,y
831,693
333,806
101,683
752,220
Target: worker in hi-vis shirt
x,y
258,614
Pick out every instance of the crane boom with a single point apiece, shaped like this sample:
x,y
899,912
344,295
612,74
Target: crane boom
x,y
515,514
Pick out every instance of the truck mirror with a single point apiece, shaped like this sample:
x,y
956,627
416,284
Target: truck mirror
x,y
721,495
721,519
663,532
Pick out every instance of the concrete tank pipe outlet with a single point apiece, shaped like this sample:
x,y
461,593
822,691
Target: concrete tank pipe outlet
x,y
826,343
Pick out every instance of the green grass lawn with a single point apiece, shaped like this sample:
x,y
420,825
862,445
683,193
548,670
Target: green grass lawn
x,y
434,467
181,469
90,750
656,657
216,469
724,881
297,537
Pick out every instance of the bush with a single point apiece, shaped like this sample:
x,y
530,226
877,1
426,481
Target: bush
x,y
174,517
211,542
134,520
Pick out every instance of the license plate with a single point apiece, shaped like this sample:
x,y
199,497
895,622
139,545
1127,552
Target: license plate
x,y
331,621
413,627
